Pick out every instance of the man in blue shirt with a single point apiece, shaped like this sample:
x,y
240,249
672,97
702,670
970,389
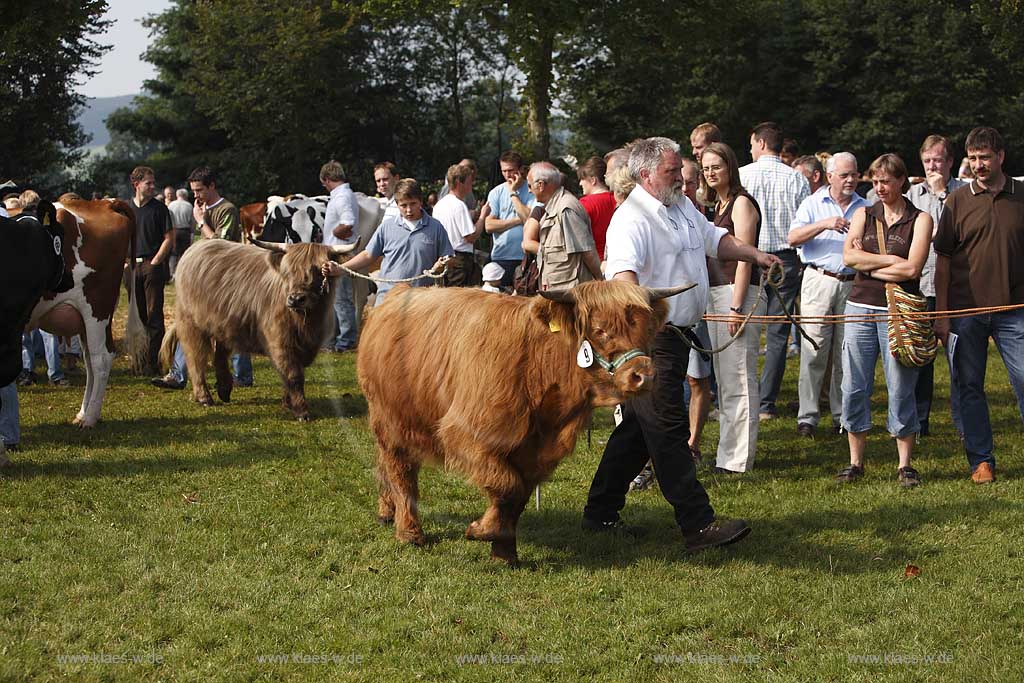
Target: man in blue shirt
x,y
403,246
510,207
818,232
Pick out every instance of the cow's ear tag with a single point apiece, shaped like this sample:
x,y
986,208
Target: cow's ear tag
x,y
554,326
585,356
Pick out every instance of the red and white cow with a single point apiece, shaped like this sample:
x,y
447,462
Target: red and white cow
x,y
97,235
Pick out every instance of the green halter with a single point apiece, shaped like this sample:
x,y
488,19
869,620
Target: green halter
x,y
617,363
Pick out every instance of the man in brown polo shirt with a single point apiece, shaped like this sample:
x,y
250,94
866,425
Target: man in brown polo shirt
x,y
980,246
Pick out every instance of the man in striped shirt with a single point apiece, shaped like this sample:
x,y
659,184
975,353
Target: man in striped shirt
x,y
779,190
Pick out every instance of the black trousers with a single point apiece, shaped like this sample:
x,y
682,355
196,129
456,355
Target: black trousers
x,y
150,281
463,271
655,425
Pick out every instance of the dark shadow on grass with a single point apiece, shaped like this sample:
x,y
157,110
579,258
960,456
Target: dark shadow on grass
x,y
345,405
157,466
796,541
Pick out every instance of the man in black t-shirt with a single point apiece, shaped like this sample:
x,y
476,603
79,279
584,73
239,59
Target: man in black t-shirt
x,y
154,241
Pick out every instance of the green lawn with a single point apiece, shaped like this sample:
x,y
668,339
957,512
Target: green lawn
x,y
208,543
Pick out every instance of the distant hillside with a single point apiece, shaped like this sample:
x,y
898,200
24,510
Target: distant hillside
x,y
95,112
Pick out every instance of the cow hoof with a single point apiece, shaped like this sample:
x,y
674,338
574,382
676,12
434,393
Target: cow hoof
x,y
506,552
303,418
83,422
206,402
224,393
476,532
412,537
385,521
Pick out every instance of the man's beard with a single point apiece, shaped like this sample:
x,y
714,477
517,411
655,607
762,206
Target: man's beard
x,y
670,195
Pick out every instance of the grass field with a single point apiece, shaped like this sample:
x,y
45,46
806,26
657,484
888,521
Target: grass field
x,y
176,543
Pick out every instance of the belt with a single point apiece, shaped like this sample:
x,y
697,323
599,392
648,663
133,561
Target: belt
x,y
838,276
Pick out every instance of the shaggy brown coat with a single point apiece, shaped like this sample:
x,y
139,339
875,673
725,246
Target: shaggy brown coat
x,y
287,321
489,385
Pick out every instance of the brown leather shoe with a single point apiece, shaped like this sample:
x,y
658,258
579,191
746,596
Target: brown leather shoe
x,y
983,474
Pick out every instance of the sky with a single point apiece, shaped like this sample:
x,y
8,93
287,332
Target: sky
x,y
121,70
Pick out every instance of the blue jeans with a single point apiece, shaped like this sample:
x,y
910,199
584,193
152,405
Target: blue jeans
x,y
240,362
863,343
777,334
970,357
344,315
39,342
242,365
10,430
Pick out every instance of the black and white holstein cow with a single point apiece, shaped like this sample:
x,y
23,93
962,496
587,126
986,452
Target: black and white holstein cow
x,y
297,219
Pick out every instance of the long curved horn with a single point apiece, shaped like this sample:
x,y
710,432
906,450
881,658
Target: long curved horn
x,y
655,293
271,246
340,249
561,296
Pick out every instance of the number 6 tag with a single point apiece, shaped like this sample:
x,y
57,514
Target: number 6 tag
x,y
585,356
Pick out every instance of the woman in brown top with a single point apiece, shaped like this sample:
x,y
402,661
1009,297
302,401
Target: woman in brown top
x,y
908,232
734,289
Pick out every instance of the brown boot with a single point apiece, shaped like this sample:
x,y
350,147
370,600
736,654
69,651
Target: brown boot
x,y
983,474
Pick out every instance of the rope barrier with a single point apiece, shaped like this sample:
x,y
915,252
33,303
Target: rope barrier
x,y
771,280
881,316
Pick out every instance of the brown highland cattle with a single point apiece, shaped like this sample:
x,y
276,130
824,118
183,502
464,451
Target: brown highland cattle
x,y
285,314
497,387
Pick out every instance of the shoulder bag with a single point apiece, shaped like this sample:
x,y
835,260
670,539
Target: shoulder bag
x,y
911,340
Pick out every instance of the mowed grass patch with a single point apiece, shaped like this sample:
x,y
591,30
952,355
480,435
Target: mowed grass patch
x,y
233,543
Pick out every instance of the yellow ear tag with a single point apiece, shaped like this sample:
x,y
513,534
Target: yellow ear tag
x,y
554,326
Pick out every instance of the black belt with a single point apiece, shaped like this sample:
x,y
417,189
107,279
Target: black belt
x,y
838,276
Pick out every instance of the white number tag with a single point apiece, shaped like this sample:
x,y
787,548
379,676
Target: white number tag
x,y
585,356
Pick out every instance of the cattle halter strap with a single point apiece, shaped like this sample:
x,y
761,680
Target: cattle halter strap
x,y
615,364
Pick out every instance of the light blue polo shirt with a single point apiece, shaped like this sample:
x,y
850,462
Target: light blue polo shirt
x,y
826,250
408,252
508,245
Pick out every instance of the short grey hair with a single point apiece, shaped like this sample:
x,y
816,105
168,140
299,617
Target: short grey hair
x,y
182,194
834,159
546,172
646,154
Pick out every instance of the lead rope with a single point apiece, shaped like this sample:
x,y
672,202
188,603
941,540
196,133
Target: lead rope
x,y
771,280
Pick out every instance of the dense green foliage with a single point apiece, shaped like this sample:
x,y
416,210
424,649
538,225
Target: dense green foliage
x,y
46,47
215,537
268,91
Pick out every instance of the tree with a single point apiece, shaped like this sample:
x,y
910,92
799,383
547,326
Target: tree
x,y
46,47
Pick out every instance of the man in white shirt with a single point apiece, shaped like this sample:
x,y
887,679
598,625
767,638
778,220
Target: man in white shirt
x,y
657,238
451,211
340,219
385,177
184,224
779,190
819,232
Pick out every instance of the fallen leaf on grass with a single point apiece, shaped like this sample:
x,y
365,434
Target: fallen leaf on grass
x,y
191,498
911,571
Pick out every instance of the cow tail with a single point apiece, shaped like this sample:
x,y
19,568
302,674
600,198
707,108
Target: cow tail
x,y
168,346
135,337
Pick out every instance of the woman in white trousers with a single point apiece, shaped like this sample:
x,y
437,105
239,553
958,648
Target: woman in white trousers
x,y
735,286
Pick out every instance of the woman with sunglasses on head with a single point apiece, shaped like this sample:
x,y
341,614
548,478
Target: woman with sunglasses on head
x,y
734,291
907,232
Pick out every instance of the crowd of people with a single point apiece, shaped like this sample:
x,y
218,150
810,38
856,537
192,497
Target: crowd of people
x,y
647,214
